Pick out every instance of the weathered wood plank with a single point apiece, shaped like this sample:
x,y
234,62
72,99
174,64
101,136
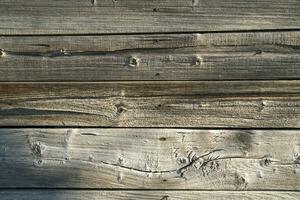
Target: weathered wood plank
x,y
218,56
150,158
148,195
240,104
77,17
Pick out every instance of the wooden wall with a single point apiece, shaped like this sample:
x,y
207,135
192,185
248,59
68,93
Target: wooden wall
x,y
149,99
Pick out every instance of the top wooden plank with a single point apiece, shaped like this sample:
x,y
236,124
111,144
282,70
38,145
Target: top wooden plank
x,y
133,16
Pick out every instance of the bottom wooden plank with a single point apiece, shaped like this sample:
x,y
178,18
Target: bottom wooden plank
x,y
147,195
150,159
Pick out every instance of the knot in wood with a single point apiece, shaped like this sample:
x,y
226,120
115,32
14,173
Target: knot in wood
x,y
166,197
2,53
197,60
266,161
133,62
121,108
155,9
38,163
63,52
240,182
37,149
182,160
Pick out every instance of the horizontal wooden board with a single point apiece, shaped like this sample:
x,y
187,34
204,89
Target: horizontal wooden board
x,y
147,195
240,104
117,16
150,158
217,56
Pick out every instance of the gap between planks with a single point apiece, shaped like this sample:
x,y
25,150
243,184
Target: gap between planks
x,y
149,195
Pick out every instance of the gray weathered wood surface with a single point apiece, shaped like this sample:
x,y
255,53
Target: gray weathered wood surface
x,y
150,158
149,99
107,16
148,195
240,104
216,56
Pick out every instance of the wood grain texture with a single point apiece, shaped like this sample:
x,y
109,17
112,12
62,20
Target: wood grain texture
x,y
150,159
239,104
217,56
147,195
107,16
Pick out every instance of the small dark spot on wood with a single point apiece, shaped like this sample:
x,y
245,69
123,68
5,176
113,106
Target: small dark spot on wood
x,y
162,139
182,160
260,106
258,52
91,158
121,109
265,161
244,139
42,45
38,163
120,160
157,74
88,134
166,197
94,2
120,177
155,9
164,180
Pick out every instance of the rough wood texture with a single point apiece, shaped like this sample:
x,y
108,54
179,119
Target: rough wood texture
x,y
150,158
218,56
147,195
241,104
107,16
